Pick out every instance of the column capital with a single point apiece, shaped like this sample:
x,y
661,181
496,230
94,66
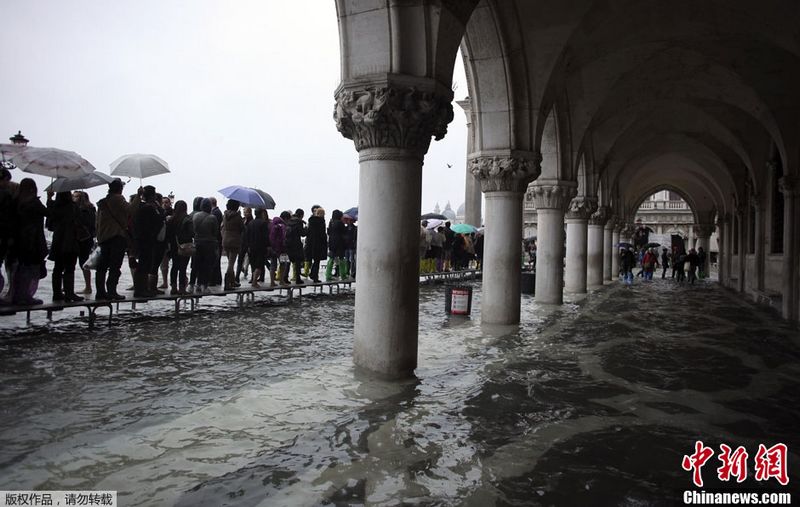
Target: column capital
x,y
600,217
581,208
612,222
552,194
387,115
628,230
704,231
505,172
789,186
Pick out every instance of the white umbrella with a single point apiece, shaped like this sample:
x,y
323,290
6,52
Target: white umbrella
x,y
138,165
6,152
90,180
51,162
433,223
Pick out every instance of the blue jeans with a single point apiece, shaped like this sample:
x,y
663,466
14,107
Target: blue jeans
x,y
627,277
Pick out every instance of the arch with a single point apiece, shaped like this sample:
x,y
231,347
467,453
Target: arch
x,y
637,201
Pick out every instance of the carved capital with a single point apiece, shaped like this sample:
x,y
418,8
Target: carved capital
x,y
627,231
581,208
612,222
505,173
388,116
789,186
600,217
555,195
704,230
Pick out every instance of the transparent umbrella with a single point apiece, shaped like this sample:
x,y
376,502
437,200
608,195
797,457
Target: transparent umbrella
x,y
51,162
138,165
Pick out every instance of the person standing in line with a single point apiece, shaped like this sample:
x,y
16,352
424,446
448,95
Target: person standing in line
x,y
8,193
316,242
179,232
279,262
307,254
437,248
113,216
206,234
216,272
232,232
62,220
336,245
196,203
258,246
148,222
87,220
295,232
29,246
166,206
160,249
424,246
449,239
243,262
350,246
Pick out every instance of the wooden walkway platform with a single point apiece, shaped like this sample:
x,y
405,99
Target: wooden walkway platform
x,y
244,296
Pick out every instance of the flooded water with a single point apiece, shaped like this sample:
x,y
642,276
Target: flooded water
x,y
592,403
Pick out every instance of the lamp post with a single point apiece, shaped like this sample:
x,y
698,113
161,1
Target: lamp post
x,y
18,138
18,141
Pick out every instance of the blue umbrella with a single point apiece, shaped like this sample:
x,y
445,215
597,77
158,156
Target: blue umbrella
x,y
250,197
353,212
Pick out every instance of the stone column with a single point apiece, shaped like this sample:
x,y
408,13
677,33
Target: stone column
x,y
615,250
741,219
608,246
594,258
791,232
503,179
728,258
703,234
577,218
551,198
472,187
722,254
391,127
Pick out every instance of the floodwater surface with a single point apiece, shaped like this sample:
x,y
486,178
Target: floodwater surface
x,y
592,403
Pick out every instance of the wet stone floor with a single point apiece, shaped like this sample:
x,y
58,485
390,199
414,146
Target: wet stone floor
x,y
591,403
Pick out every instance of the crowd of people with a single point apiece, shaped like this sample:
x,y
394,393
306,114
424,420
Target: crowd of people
x,y
185,246
687,267
441,249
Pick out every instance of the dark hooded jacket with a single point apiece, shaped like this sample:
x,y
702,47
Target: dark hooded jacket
x,y
336,239
316,240
295,232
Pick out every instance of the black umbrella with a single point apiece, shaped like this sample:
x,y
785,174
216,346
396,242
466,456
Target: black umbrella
x,y
430,216
652,245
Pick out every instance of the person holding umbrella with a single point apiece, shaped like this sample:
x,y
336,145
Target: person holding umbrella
x,y
232,233
113,213
147,226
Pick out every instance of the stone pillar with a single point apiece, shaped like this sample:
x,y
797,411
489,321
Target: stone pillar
x,y
723,253
791,236
741,219
594,258
577,218
391,127
703,234
504,179
608,247
615,250
728,258
551,198
472,192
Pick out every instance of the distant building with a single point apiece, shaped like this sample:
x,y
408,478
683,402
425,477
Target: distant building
x,y
667,214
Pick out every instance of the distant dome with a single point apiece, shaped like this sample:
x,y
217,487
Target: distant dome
x,y
461,210
448,212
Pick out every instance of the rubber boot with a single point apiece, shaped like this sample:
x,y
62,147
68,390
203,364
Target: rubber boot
x,y
307,269
57,281
329,270
229,281
344,270
141,282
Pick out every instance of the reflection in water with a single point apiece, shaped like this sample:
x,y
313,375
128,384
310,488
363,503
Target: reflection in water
x,y
592,403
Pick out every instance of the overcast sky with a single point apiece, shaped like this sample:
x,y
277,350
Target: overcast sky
x,y
228,93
